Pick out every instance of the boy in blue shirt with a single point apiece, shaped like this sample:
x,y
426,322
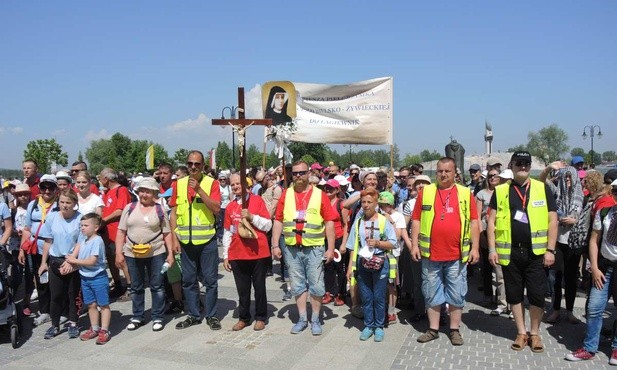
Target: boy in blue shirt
x,y
89,256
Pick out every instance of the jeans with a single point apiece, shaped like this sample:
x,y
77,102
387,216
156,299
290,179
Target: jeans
x,y
596,303
200,262
137,269
372,287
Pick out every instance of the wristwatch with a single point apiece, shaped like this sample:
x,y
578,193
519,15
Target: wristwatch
x,y
553,251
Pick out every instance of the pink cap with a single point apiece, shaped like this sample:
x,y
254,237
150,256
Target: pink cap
x,y
582,174
333,183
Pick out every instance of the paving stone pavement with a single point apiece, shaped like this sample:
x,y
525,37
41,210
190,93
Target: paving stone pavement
x,y
487,342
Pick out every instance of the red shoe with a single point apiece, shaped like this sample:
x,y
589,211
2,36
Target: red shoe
x,y
104,337
326,298
89,334
339,301
392,319
580,354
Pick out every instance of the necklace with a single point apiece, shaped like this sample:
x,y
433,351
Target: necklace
x,y
445,205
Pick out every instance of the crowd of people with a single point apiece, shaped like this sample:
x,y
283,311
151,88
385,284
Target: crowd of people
x,y
342,235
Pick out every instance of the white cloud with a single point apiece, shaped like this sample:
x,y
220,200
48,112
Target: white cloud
x,y
59,132
197,124
97,135
253,102
13,130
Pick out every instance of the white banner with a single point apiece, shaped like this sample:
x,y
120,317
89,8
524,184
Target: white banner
x,y
356,113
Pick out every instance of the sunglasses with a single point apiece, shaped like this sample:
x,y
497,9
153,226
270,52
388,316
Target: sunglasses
x,y
75,171
401,177
193,164
329,189
299,173
473,171
47,187
492,176
522,163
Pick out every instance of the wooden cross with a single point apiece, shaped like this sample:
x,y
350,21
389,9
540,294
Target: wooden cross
x,y
240,125
372,230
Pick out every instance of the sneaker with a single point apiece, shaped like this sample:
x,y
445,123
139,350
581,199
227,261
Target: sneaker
x,y
391,319
73,331
613,360
428,336
316,328
34,296
339,300
455,338
52,332
27,312
104,337
189,321
356,311
497,312
42,319
134,325
287,296
89,334
582,354
327,298
157,325
379,334
299,327
366,333
214,323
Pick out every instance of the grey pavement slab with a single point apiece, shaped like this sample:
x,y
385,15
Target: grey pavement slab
x,y
487,342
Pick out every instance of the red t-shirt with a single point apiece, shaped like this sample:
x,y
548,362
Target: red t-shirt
x,y
446,232
246,249
34,186
602,202
327,212
116,198
338,223
215,193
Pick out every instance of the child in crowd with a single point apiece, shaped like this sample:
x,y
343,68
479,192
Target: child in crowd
x,y
89,256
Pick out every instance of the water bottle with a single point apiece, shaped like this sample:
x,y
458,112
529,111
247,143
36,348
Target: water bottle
x,y
165,267
44,278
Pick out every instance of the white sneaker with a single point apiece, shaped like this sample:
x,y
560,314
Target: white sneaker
x,y
34,296
42,319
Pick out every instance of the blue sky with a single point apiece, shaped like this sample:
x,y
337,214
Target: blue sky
x,y
160,70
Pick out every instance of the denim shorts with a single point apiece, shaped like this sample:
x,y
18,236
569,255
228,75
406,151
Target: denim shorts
x,y
444,282
305,269
95,289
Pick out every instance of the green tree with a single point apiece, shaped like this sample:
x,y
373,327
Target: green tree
x,y
100,154
254,157
609,156
548,144
180,156
578,151
518,148
318,151
223,155
428,156
80,156
45,152
411,159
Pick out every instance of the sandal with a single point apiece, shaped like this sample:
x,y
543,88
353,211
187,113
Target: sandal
x,y
535,343
134,325
520,342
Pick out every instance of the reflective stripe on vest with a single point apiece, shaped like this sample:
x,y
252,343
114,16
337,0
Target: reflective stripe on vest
x,y
537,214
312,233
195,222
381,221
427,217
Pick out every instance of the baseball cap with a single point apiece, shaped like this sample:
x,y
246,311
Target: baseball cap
x,y
316,166
475,167
333,183
614,183
507,174
577,159
492,161
521,155
610,176
385,197
582,174
484,173
222,175
354,167
63,175
423,178
49,178
342,180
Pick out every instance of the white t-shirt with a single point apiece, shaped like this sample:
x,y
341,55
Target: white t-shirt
x,y
609,251
399,223
90,204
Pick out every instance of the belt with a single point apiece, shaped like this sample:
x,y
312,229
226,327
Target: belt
x,y
521,245
304,246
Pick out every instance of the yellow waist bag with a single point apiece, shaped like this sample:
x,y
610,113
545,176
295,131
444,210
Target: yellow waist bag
x,y
143,249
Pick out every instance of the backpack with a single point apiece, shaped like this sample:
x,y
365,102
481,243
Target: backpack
x,y
580,232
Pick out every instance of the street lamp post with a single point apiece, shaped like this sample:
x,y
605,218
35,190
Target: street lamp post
x,y
232,112
592,133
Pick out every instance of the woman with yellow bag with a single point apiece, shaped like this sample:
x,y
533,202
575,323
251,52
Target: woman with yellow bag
x,y
144,243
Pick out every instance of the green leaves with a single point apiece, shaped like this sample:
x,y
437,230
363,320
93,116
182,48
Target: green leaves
x,y
45,152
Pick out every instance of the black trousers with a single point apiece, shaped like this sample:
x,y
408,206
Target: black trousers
x,y
247,273
566,269
31,274
64,291
335,279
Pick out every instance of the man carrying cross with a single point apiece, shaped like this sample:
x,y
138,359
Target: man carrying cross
x,y
194,201
305,218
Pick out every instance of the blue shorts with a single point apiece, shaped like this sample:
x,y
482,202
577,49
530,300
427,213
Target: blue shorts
x,y
305,266
95,289
444,282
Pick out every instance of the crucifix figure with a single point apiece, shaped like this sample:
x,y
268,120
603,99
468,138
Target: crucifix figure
x,y
240,125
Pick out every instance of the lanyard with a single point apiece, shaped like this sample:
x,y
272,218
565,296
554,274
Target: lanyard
x,y
523,198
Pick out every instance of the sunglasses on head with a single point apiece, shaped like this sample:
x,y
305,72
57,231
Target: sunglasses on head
x,y
299,173
522,163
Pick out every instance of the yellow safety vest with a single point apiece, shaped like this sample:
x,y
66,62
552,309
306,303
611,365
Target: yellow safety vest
x,y
381,221
428,215
313,234
537,214
195,221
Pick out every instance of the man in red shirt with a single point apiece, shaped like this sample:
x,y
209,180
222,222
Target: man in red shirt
x,y
442,228
30,170
115,199
305,216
